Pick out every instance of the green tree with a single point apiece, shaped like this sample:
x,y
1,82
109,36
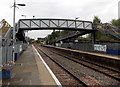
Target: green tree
x,y
64,32
116,23
96,20
51,38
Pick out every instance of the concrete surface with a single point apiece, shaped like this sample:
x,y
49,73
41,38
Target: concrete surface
x,y
30,70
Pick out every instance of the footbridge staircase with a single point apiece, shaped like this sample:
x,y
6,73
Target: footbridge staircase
x,y
104,28
107,28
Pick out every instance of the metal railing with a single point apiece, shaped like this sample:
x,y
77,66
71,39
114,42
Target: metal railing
x,y
7,51
63,24
108,29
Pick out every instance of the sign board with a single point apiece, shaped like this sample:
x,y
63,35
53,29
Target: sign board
x,y
61,42
99,47
20,48
76,40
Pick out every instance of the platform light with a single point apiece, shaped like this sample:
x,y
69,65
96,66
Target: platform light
x,y
24,16
76,18
33,17
21,4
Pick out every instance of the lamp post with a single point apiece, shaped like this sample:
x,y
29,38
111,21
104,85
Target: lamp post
x,y
76,18
24,16
76,41
14,6
76,22
33,17
76,26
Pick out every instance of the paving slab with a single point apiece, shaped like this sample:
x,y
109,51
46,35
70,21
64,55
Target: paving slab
x,y
30,70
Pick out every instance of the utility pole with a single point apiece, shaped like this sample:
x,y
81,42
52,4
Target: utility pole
x,y
14,6
14,31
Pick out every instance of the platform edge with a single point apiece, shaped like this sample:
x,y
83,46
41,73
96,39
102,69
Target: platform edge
x,y
50,71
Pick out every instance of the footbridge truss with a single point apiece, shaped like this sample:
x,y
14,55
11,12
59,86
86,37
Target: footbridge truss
x,y
50,24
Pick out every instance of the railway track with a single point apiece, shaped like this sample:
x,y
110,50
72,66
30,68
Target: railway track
x,y
115,74
75,82
86,80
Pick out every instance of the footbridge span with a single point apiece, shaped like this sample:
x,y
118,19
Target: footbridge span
x,y
54,24
48,24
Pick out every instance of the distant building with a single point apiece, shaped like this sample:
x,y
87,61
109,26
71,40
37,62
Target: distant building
x,y
119,9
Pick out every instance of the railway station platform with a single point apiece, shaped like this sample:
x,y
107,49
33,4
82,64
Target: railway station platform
x,y
31,70
106,60
116,57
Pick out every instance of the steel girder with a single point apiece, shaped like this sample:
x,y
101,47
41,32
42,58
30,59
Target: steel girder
x,y
49,24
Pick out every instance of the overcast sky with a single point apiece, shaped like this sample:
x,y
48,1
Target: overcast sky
x,y
106,10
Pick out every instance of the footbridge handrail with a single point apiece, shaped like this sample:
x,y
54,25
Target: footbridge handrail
x,y
108,29
63,24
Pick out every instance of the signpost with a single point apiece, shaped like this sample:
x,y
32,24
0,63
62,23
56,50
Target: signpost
x,y
98,47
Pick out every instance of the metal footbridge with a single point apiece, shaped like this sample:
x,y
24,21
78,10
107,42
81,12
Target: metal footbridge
x,y
47,24
41,24
55,24
108,29
79,28
5,32
104,28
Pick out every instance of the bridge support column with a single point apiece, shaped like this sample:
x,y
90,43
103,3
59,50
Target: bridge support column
x,y
93,38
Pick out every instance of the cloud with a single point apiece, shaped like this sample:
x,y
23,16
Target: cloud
x,y
38,33
84,9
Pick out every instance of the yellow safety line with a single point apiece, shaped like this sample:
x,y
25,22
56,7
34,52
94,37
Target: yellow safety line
x,y
3,30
